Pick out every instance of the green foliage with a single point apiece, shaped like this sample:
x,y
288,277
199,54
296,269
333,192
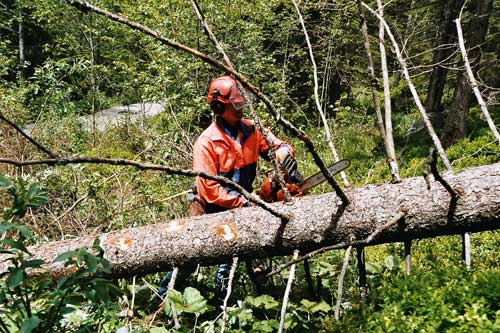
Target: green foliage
x,y
38,303
190,301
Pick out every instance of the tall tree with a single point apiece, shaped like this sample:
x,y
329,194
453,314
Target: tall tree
x,y
446,35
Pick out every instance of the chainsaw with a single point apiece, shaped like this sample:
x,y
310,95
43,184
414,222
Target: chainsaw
x,y
271,191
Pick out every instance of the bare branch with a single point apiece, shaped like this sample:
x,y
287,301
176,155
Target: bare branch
x,y
473,82
389,139
432,160
229,289
341,282
371,72
170,286
155,167
288,288
328,135
30,139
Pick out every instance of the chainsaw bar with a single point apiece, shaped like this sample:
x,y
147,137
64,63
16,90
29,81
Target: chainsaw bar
x,y
318,178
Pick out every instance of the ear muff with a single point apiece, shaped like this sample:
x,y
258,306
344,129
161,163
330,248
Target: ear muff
x,y
216,105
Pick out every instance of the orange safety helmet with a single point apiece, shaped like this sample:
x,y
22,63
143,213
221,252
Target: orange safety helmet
x,y
225,90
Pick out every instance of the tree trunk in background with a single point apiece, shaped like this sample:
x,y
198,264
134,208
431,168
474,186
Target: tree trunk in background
x,y
456,120
446,35
317,221
22,56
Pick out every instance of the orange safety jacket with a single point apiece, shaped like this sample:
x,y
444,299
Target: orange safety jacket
x,y
230,152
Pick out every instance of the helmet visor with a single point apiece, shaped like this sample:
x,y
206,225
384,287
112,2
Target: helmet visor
x,y
236,98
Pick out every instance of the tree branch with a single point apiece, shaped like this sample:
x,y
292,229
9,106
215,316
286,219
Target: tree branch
x,y
288,288
341,282
30,139
328,135
155,167
473,82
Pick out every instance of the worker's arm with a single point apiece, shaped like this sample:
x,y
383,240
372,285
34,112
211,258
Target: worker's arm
x,y
282,148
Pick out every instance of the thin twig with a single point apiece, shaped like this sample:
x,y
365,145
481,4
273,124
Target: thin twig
x,y
288,288
170,286
228,293
164,299
156,167
473,82
328,135
72,207
30,139
341,282
433,165
399,215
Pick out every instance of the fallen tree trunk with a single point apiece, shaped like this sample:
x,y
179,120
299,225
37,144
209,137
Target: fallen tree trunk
x,y
317,221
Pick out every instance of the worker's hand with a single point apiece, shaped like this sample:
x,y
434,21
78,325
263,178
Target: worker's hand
x,y
288,165
282,153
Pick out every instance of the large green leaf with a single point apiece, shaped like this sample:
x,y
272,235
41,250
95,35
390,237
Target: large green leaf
x,y
191,301
35,263
64,256
195,303
5,183
15,244
313,307
265,301
373,268
30,324
391,262
15,278
36,196
265,326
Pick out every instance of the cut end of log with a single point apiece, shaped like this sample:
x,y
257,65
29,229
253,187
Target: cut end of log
x,y
227,231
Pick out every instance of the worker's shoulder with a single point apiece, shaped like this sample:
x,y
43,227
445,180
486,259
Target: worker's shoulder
x,y
211,133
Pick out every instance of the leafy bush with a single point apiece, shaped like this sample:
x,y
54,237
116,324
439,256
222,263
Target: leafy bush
x,y
34,301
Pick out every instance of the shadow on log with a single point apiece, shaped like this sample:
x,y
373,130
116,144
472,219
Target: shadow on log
x,y
253,232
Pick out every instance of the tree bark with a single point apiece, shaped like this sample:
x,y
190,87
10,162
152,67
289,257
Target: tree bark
x,y
317,221
455,126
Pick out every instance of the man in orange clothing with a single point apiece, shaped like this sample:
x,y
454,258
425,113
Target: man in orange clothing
x,y
229,147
